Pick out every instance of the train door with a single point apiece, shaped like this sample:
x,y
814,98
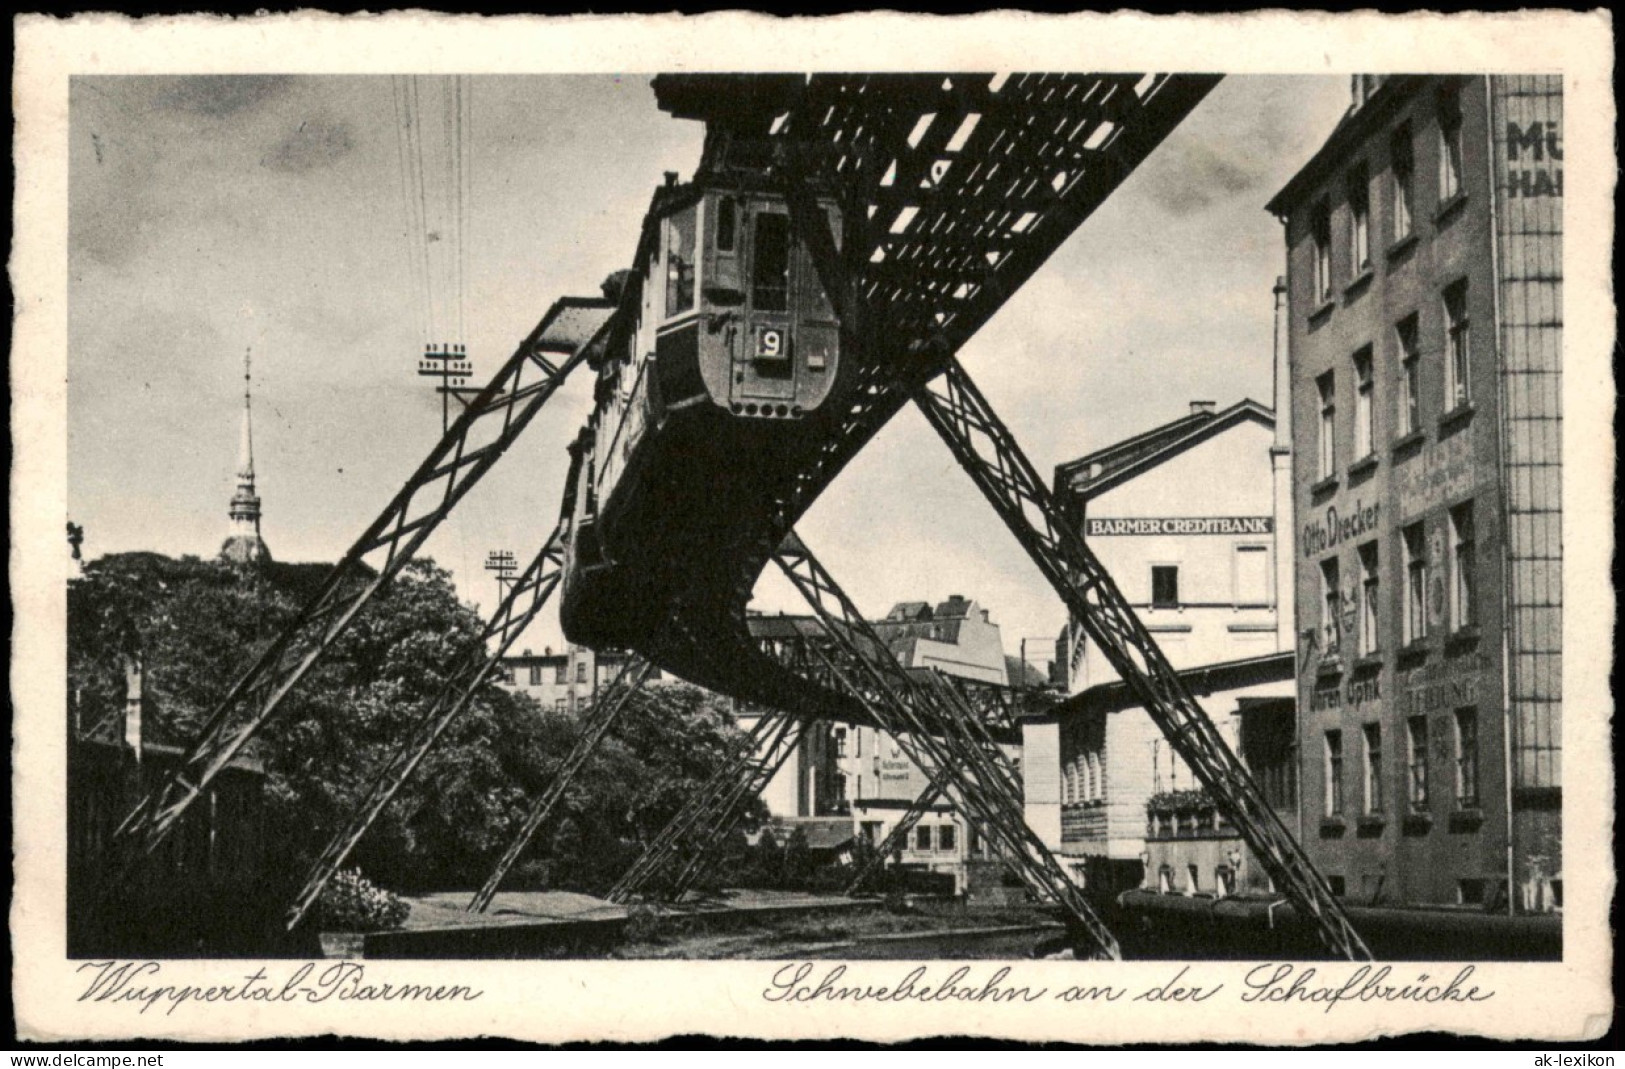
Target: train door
x,y
764,368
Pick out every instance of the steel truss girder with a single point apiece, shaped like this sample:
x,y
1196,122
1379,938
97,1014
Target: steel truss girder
x,y
988,452
599,718
524,598
716,803
939,736
503,409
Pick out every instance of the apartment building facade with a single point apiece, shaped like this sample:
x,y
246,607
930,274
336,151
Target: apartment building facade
x,y
1424,277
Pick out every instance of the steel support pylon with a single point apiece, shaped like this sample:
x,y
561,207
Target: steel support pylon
x,y
479,437
708,838
895,839
525,597
985,448
599,718
718,802
940,736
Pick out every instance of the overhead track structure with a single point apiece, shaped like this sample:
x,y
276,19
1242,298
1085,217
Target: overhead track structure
x,y
478,438
953,190
523,599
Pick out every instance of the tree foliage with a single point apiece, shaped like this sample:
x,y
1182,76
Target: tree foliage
x,y
198,625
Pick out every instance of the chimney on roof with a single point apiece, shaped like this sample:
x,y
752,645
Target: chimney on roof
x,y
1202,408
671,178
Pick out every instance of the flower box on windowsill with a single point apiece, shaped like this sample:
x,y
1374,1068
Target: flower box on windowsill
x,y
1332,827
1461,637
1367,663
1402,246
1466,817
1449,207
1324,486
1330,665
1406,442
1320,313
1456,416
1417,822
1364,466
1370,825
1414,651
1357,284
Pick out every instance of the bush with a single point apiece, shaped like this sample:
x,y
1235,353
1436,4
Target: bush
x,y
352,903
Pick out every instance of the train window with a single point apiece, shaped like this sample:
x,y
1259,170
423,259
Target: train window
x,y
770,275
680,262
726,218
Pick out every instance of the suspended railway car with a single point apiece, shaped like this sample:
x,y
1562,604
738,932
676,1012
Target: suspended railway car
x,y
720,366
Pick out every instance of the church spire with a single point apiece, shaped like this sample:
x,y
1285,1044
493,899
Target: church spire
x,y
244,545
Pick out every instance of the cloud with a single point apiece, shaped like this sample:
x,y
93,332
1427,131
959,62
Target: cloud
x,y
217,96
1203,175
318,142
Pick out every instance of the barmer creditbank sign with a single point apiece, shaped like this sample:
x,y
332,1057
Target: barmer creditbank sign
x,y
1181,525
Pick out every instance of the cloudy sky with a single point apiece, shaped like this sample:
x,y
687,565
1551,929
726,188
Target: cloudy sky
x,y
208,215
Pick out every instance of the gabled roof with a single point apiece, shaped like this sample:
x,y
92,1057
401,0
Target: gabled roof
x,y
910,610
1094,473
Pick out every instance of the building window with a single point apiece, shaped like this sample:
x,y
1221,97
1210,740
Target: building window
x,y
535,675
1449,146
947,840
857,742
561,705
770,279
1373,768
1331,633
840,742
1403,164
1417,767
1466,758
1327,385
561,674
581,671
1334,773
1194,885
680,261
1458,380
1093,788
1337,885
1252,575
1470,892
1069,782
922,837
1359,222
1370,599
1410,381
1164,586
1322,225
1416,584
1365,413
1463,567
